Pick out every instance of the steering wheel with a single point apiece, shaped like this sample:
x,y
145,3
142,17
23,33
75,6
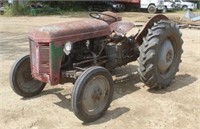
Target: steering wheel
x,y
100,17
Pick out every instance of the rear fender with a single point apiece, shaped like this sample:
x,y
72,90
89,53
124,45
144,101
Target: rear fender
x,y
121,27
143,32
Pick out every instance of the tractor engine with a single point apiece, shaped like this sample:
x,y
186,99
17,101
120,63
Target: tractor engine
x,y
110,52
120,51
85,53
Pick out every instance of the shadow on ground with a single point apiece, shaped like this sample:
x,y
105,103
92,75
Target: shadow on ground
x,y
179,82
65,99
109,115
125,80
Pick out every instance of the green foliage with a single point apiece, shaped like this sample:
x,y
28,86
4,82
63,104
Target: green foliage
x,y
183,11
7,10
49,8
15,10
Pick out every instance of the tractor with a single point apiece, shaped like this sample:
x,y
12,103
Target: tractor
x,y
84,52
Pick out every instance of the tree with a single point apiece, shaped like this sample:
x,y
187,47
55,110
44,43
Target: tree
x,y
15,7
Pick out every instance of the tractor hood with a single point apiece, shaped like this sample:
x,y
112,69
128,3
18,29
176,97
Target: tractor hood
x,y
70,31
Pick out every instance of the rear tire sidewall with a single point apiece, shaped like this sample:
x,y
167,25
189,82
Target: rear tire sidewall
x,y
149,54
80,85
170,32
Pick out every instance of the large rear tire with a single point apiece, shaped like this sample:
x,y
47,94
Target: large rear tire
x,y
21,80
92,94
160,54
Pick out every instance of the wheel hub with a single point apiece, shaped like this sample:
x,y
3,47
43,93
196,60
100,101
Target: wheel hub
x,y
166,56
97,94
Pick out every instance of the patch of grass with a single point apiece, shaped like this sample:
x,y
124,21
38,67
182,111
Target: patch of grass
x,y
182,11
48,8
196,10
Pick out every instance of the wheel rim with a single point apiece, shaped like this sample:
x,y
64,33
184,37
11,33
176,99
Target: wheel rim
x,y
96,95
166,56
25,79
152,9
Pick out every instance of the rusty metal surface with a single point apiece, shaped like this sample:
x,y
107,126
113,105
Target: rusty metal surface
x,y
71,31
39,55
46,62
46,45
148,25
121,27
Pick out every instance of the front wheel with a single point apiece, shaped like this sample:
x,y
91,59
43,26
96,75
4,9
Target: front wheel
x,y
92,94
160,54
21,80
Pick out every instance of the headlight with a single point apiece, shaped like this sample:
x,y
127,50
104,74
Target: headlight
x,y
68,48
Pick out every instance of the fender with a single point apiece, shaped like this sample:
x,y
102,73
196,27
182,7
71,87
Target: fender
x,y
148,25
121,27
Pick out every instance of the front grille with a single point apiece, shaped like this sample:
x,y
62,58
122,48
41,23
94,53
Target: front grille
x,y
39,57
44,58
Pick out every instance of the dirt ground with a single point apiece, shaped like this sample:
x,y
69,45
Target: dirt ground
x,y
133,106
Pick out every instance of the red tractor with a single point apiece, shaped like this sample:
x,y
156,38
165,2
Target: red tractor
x,y
83,52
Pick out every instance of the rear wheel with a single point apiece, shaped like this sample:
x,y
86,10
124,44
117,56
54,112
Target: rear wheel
x,y
21,80
160,54
92,94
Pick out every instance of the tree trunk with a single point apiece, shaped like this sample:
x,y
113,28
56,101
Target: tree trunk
x,y
15,8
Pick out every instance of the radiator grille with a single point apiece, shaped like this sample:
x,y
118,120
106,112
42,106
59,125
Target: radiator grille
x,y
40,57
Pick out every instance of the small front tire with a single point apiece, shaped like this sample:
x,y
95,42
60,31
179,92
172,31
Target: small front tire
x,y
92,94
21,80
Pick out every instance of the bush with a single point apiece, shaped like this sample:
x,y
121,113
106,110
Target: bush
x,y
49,8
15,10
